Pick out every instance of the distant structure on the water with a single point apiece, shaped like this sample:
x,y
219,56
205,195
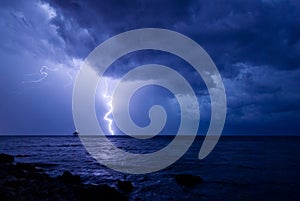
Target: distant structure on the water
x,y
76,133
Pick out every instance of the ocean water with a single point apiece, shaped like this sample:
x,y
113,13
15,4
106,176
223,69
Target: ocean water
x,y
239,168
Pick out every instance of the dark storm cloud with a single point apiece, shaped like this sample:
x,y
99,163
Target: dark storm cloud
x,y
103,19
256,32
262,98
254,43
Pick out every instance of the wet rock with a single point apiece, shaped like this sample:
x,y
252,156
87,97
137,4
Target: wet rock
x,y
11,178
188,180
44,165
23,181
125,185
21,155
26,167
67,177
5,158
18,172
13,182
6,193
100,192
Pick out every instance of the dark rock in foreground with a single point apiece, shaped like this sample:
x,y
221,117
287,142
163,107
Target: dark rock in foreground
x,y
5,158
23,181
68,178
125,185
188,180
99,192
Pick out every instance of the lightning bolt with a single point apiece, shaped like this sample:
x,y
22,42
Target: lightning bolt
x,y
109,103
42,72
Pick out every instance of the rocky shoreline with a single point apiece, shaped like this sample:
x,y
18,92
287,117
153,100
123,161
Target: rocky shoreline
x,y
28,181
24,181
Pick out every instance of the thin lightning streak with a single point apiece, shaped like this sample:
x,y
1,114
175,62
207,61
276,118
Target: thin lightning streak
x,y
43,73
109,103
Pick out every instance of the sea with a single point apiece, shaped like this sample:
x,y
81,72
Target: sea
x,y
239,168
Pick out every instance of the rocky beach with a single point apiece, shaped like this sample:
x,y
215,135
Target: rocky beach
x,y
26,181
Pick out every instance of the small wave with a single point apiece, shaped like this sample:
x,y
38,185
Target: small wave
x,y
22,155
246,167
44,165
232,183
70,145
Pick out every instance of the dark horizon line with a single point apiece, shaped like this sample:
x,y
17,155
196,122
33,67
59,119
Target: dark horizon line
x,y
163,135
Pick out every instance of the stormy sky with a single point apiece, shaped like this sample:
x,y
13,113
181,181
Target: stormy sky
x,y
255,44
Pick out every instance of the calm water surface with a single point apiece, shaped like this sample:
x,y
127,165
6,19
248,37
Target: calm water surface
x,y
239,168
